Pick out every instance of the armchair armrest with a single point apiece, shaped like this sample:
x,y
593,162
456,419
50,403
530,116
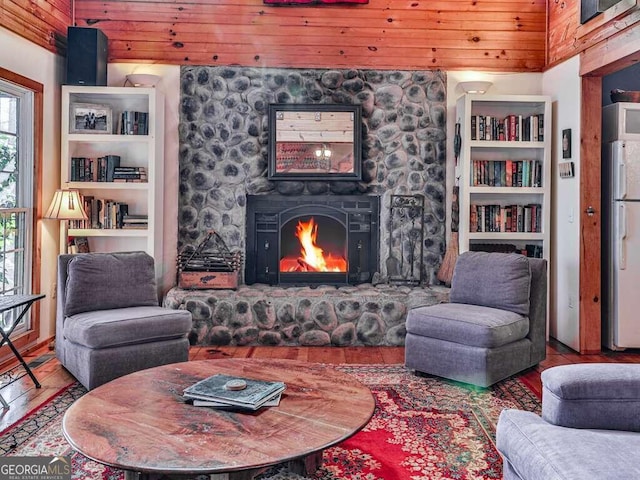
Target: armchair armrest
x,y
598,396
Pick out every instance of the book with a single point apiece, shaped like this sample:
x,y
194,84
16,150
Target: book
x,y
272,402
255,395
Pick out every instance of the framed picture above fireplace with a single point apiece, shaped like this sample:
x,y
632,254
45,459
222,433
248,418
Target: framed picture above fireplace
x,y
315,142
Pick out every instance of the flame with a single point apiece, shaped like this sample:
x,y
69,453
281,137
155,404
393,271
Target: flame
x,y
312,257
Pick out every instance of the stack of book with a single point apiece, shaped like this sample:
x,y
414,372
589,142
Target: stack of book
x,y
229,392
129,174
135,221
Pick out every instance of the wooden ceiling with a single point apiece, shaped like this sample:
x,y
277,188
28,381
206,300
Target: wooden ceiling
x,y
387,34
492,35
499,35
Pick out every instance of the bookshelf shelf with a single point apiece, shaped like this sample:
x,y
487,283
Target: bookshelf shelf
x,y
108,232
107,185
103,138
504,172
129,109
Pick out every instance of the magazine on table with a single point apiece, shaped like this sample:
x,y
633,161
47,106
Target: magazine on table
x,y
272,402
234,391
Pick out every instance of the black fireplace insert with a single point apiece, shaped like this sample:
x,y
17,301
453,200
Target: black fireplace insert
x,y
312,239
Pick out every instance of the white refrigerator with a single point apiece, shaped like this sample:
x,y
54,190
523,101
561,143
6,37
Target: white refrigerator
x,y
621,253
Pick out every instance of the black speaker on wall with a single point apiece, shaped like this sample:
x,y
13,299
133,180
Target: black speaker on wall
x,y
86,56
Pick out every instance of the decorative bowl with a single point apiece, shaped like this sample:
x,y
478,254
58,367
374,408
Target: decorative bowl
x,y
618,95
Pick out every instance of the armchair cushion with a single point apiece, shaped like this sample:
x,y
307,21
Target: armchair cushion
x,y
595,396
126,326
492,280
472,324
107,281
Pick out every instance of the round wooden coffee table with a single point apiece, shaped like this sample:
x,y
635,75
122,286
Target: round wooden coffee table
x,y
140,422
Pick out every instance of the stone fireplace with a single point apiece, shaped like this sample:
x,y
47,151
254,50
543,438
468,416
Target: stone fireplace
x,y
312,239
224,141
224,186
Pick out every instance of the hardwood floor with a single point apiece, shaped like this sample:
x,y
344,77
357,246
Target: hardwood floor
x,y
23,397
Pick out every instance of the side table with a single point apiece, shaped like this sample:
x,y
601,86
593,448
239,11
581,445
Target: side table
x,y
9,302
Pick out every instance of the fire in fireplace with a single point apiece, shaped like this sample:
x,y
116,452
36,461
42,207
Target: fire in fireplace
x,y
311,239
313,245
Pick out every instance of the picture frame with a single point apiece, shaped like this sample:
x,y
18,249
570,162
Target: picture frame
x,y
315,142
90,118
566,170
566,143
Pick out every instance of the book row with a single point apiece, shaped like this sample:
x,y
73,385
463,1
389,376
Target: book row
x,y
506,218
512,128
107,214
133,123
506,173
103,169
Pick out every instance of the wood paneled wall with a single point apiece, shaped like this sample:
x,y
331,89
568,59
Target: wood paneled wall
x,y
568,38
499,35
43,22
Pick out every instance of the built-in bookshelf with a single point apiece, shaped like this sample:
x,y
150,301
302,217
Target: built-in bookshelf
x,y
112,152
504,173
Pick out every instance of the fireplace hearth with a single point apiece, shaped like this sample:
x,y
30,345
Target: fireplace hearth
x,y
312,239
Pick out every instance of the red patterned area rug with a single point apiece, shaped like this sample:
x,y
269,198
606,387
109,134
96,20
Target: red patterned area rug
x,y
424,428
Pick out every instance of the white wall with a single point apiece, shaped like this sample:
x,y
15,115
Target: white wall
x,y
563,84
170,86
29,60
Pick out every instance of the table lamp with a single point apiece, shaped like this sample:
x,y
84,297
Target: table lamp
x,y
66,205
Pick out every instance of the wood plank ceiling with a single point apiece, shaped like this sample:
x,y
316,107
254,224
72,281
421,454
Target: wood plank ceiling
x,y
500,35
387,34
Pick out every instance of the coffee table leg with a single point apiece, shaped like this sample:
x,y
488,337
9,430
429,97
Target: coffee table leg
x,y
242,475
306,465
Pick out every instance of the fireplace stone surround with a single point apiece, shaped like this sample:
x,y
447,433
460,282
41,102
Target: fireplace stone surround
x,y
223,158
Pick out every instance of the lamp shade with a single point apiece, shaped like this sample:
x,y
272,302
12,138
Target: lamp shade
x,y
475,87
66,205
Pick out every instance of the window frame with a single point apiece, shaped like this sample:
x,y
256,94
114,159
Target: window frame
x,y
27,338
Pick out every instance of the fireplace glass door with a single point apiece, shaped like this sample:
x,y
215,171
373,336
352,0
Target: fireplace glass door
x,y
311,239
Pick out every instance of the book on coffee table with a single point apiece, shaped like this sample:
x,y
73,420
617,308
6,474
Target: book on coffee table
x,y
247,393
272,402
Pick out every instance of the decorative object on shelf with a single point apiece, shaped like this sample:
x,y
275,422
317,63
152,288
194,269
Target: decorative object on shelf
x,y
566,143
445,274
618,95
217,268
90,118
566,169
406,239
141,80
66,205
475,86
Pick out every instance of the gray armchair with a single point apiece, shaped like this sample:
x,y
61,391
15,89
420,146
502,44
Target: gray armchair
x,y
108,319
590,426
493,327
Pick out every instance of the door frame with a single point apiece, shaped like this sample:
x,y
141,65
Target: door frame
x,y
611,55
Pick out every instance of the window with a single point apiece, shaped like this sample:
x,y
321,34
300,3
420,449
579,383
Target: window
x,y
16,193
